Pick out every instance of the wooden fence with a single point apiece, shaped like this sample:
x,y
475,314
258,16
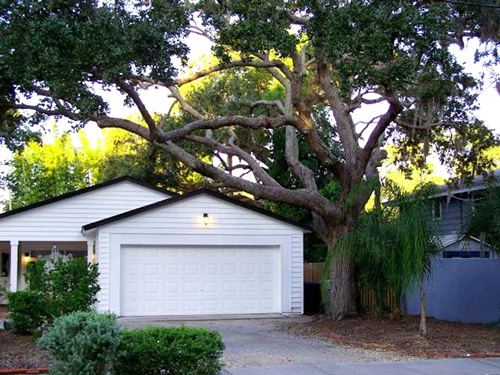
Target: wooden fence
x,y
313,272
368,298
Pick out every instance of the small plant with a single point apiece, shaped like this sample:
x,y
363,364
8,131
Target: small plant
x,y
27,310
82,343
181,351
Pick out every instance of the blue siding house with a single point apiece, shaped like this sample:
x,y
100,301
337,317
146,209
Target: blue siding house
x,y
452,208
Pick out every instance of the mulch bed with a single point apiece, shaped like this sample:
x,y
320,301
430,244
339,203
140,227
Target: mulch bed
x,y
19,351
444,339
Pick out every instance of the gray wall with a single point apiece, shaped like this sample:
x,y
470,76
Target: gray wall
x,y
463,290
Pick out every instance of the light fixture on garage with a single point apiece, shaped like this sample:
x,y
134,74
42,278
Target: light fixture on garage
x,y
206,219
27,258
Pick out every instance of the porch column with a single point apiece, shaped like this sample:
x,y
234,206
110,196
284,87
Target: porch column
x,y
14,265
90,251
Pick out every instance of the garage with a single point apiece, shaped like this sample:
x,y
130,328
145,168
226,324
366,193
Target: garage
x,y
201,253
158,280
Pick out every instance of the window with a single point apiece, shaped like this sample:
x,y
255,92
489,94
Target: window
x,y
436,209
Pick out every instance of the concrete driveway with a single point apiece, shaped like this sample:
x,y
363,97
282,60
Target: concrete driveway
x,y
252,343
427,367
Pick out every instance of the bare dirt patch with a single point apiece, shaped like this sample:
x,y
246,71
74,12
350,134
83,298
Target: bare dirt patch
x,y
444,339
19,351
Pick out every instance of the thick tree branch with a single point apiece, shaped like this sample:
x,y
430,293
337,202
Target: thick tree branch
x,y
49,112
382,124
129,90
114,122
301,197
345,125
233,64
259,172
184,104
260,122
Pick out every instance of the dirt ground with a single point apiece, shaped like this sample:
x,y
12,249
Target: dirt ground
x,y
19,351
368,331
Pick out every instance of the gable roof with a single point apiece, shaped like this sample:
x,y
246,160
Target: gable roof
x,y
195,193
449,239
83,191
477,183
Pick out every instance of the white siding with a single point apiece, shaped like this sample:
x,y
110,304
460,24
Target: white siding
x,y
181,222
63,220
297,251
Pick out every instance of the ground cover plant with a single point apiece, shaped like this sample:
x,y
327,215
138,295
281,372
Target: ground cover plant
x,y
82,343
183,350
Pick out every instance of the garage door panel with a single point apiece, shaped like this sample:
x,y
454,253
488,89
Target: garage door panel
x,y
192,281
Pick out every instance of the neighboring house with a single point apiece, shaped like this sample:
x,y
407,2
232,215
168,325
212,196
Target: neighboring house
x,y
452,209
164,254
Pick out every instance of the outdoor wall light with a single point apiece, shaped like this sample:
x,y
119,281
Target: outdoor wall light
x,y
27,257
206,219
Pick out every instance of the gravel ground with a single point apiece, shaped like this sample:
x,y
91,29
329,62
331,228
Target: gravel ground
x,y
270,342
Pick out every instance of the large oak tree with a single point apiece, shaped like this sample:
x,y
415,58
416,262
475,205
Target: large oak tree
x,y
329,59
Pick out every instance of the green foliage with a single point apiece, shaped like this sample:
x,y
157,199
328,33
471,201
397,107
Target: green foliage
x,y
41,171
82,343
66,286
14,133
69,43
485,218
183,351
27,310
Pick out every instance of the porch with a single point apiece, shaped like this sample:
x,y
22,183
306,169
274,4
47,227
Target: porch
x,y
16,255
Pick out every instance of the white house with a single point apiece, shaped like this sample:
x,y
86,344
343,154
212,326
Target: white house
x,y
164,254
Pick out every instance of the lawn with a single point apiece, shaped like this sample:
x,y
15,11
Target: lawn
x,y
443,338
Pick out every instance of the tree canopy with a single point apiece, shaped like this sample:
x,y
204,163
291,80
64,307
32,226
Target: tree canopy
x,y
41,171
327,61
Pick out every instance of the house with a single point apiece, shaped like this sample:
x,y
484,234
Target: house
x,y
452,209
160,253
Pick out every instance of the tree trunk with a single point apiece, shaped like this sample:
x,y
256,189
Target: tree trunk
x,y
423,326
343,291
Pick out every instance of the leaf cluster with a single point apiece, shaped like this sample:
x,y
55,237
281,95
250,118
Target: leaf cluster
x,y
66,286
67,45
82,343
182,350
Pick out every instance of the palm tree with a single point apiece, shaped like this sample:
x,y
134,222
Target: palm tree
x,y
393,246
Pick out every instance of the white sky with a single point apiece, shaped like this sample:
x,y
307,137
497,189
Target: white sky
x,y
157,101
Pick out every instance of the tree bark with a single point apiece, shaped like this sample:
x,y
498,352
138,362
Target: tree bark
x,y
423,325
343,290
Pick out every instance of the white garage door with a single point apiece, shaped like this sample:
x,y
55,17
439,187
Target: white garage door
x,y
195,280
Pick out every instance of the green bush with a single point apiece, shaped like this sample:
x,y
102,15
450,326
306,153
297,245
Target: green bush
x,y
27,310
68,286
82,343
179,351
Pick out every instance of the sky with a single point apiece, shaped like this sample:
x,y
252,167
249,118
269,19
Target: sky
x,y
157,100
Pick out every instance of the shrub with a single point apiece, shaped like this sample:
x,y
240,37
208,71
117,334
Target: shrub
x,y
68,286
27,310
180,351
82,343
